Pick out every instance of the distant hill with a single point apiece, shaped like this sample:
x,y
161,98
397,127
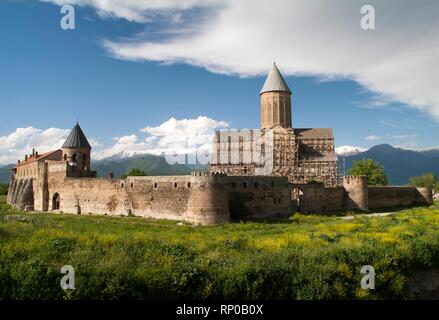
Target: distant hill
x,y
5,173
153,165
399,164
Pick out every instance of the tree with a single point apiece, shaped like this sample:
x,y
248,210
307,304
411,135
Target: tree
x,y
425,180
371,169
135,173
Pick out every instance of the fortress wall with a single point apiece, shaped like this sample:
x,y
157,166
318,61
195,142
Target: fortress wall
x,y
202,199
20,194
391,196
317,198
196,199
258,197
334,199
11,190
158,197
25,199
17,192
97,196
312,198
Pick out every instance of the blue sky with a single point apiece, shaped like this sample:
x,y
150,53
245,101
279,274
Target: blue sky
x,y
51,77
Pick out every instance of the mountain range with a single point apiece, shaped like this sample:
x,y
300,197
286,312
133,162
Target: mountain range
x,y
399,164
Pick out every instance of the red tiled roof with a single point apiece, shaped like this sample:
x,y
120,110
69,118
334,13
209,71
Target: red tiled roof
x,y
37,158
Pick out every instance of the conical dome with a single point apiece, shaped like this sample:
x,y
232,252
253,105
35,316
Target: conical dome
x,y
77,139
275,82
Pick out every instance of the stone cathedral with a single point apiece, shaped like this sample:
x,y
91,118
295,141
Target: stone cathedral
x,y
277,148
260,173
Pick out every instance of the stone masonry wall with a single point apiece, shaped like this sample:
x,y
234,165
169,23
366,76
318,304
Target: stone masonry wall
x,y
390,196
258,197
315,198
200,199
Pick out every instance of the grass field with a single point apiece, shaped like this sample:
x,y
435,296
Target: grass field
x,y
304,257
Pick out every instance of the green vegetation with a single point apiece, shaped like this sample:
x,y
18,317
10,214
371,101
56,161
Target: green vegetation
x,y
426,180
304,257
135,173
316,182
3,189
371,169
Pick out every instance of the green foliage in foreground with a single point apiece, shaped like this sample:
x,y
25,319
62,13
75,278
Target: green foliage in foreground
x,y
3,189
304,257
371,169
425,180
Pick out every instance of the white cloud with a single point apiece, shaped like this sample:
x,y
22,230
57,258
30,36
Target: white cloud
x,y
185,136
348,150
404,136
138,10
398,60
373,138
21,142
171,137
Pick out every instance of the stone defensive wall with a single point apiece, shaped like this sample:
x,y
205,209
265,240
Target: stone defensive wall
x,y
314,198
356,194
200,198
21,195
388,197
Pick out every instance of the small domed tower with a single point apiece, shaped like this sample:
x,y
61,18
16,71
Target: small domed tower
x,y
275,101
77,150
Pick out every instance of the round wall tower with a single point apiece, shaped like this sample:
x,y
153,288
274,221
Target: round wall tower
x,y
208,200
356,193
426,194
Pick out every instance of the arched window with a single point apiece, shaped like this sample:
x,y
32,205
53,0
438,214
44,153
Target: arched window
x,y
155,185
65,157
245,185
74,158
175,185
256,185
188,184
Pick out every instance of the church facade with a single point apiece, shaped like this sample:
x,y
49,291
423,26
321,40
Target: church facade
x,y
277,148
